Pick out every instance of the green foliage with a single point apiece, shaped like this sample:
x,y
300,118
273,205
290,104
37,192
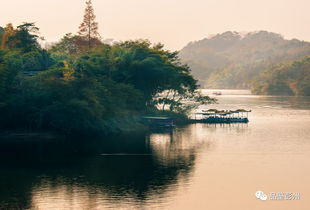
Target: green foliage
x,y
65,48
1,33
25,38
149,69
232,60
54,100
10,66
103,90
36,60
291,78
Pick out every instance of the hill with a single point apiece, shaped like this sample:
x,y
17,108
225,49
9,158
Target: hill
x,y
233,60
290,78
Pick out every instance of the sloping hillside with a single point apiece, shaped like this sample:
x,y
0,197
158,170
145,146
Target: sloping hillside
x,y
290,78
232,60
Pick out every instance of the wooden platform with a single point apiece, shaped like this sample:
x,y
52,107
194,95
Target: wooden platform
x,y
222,116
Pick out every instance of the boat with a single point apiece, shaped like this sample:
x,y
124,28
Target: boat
x,y
225,120
222,116
163,122
217,93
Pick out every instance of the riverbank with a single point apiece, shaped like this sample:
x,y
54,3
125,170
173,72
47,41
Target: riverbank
x,y
21,143
112,126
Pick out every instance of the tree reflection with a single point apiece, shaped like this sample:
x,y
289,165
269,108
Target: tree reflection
x,y
131,170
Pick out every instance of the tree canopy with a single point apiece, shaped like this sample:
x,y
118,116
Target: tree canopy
x,y
233,60
102,90
289,78
24,38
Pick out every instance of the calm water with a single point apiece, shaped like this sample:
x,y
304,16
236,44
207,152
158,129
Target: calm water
x,y
198,166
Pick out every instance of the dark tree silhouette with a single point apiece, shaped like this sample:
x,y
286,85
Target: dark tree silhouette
x,y
25,38
88,30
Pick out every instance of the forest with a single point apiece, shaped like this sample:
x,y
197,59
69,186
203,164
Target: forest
x,y
289,78
81,85
233,60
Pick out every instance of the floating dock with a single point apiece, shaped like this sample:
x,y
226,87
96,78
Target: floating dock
x,y
222,116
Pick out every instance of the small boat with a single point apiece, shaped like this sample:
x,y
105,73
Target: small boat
x,y
217,93
163,122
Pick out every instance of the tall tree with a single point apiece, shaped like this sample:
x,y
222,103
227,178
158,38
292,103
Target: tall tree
x,y
88,30
8,31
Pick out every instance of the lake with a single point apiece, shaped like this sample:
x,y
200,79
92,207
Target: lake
x,y
198,166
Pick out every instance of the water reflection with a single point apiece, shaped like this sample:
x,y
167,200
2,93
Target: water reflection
x,y
147,171
262,102
199,166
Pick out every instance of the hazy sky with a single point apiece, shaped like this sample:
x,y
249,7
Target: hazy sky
x,y
172,22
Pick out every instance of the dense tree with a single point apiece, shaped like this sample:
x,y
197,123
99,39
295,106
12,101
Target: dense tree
x,y
7,32
149,69
25,38
232,60
66,47
290,78
21,55
88,35
36,60
1,36
104,90
10,66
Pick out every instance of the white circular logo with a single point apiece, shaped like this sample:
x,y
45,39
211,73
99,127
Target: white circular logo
x,y
261,195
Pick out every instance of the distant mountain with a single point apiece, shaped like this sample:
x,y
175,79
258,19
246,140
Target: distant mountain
x,y
233,60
